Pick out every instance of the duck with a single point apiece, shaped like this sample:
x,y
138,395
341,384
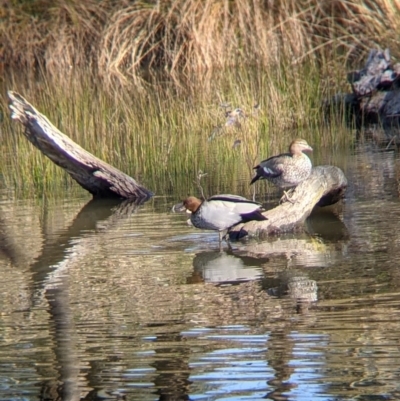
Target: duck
x,y
286,170
221,212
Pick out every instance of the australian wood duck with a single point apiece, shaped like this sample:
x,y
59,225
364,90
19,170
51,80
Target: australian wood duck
x,y
221,212
286,170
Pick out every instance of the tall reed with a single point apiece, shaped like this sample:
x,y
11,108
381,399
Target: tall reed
x,y
164,137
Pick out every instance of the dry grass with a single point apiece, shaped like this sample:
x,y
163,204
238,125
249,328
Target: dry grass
x,y
125,42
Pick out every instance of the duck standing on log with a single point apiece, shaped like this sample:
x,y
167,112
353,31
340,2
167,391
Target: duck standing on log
x,y
221,212
286,170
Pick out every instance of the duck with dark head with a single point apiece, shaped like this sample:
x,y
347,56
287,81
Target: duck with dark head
x,y
221,212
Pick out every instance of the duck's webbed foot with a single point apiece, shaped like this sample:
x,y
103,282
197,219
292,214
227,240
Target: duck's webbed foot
x,y
286,197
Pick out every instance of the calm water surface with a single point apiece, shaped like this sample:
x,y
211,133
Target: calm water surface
x,y
117,302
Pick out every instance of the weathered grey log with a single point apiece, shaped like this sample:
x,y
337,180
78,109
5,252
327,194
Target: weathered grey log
x,y
325,186
375,97
376,88
377,71
96,176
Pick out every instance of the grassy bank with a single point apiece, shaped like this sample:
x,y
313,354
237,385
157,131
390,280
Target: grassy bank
x,y
163,137
144,86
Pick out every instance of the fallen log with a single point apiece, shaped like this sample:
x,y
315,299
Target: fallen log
x,y
325,186
96,176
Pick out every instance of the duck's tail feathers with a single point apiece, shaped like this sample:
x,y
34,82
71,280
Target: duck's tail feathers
x,y
255,178
256,215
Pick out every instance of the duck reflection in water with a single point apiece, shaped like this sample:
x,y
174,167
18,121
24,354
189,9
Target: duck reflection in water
x,y
221,212
226,268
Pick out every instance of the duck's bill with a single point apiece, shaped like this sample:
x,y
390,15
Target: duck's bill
x,y
178,207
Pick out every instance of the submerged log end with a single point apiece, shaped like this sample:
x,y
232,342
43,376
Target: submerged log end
x,y
96,176
325,186
106,184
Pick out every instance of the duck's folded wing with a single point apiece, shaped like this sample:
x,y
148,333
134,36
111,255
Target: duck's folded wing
x,y
272,169
246,208
234,205
229,198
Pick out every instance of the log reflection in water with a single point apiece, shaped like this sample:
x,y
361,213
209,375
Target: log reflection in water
x,y
96,217
297,285
51,286
172,373
64,335
279,356
322,246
